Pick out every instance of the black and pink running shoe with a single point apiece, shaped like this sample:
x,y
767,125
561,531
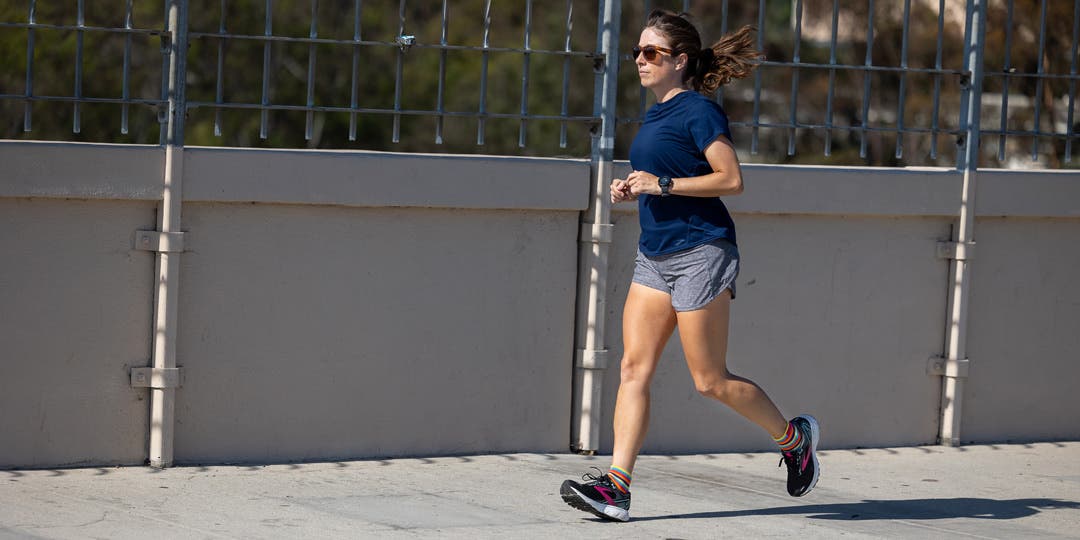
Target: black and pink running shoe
x,y
598,496
802,462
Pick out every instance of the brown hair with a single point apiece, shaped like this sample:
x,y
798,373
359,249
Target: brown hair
x,y
732,57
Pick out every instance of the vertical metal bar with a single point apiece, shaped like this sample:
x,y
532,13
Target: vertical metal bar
x,y
353,96
903,81
642,92
1039,82
525,74
29,105
1006,70
957,324
1072,81
481,124
442,75
397,76
77,128
723,31
757,79
937,79
309,124
268,30
795,78
565,109
724,18
686,6
166,293
591,310
866,78
219,90
166,62
832,77
127,67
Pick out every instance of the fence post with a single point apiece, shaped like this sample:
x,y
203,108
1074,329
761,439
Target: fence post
x,y
955,362
590,358
166,293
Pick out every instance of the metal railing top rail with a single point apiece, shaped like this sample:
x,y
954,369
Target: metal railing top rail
x,y
834,78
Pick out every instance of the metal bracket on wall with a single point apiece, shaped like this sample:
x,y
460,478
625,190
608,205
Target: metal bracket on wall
x,y
159,242
961,251
147,377
597,359
944,367
599,233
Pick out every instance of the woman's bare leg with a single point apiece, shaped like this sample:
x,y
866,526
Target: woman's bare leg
x,y
648,322
704,335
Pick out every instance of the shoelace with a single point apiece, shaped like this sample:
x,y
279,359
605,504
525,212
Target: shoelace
x,y
791,458
590,477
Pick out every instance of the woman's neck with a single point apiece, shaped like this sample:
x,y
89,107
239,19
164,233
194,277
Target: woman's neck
x,y
664,94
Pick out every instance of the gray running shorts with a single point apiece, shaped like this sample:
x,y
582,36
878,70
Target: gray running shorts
x,y
693,277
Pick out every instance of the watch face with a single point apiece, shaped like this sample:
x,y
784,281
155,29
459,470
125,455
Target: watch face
x,y
665,181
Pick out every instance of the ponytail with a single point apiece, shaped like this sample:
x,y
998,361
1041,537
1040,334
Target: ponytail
x,y
733,57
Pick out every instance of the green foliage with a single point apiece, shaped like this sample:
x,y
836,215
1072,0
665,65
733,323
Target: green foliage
x,y
237,66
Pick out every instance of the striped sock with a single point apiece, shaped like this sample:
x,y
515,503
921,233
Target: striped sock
x,y
790,440
619,478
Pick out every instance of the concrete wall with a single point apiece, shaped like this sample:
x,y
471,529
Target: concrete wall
x,y
1025,310
352,304
336,332
75,307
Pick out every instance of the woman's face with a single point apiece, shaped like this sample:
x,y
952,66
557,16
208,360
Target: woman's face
x,y
661,70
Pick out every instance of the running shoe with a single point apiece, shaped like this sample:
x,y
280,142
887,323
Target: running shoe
x,y
598,495
802,462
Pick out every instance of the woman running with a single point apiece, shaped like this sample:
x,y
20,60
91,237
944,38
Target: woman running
x,y
683,161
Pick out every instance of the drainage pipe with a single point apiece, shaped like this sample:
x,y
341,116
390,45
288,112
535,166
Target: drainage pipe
x,y
591,356
955,360
162,396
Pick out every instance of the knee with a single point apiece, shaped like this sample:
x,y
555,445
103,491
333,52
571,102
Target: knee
x,y
635,370
717,387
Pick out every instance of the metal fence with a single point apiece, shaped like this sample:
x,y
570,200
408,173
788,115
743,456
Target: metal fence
x,y
841,83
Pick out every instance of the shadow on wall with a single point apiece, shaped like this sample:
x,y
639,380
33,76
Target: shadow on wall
x,y
914,509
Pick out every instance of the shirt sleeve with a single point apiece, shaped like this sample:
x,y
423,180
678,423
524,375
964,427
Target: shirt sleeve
x,y
706,124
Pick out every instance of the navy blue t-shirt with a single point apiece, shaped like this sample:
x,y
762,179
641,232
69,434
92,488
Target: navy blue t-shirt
x,y
672,142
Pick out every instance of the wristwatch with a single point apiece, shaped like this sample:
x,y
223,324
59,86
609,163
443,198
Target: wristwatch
x,y
665,185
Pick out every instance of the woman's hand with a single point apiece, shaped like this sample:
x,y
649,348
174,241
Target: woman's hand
x,y
641,182
620,191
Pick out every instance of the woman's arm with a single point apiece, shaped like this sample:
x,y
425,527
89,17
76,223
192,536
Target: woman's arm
x,y
726,178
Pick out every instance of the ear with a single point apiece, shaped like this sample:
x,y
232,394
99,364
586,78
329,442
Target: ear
x,y
681,61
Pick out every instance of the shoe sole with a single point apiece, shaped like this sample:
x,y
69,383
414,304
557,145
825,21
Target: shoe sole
x,y
575,499
815,434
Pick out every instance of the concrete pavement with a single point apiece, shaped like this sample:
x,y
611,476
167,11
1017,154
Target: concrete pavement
x,y
983,491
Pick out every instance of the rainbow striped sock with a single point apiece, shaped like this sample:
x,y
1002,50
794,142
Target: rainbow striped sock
x,y
619,478
790,440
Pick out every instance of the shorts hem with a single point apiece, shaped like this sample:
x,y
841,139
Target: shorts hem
x,y
652,286
705,303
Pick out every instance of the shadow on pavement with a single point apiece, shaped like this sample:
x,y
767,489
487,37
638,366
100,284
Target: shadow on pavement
x,y
914,509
